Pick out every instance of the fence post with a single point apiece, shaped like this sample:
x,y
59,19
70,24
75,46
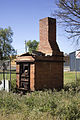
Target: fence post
x,y
4,74
10,73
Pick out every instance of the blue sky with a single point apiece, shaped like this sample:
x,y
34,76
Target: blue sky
x,y
23,17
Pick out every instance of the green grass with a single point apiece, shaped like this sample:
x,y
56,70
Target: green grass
x,y
69,77
7,76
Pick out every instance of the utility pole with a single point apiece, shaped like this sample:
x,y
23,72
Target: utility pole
x,y
75,68
25,46
16,52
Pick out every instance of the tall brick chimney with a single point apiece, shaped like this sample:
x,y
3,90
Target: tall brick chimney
x,y
48,44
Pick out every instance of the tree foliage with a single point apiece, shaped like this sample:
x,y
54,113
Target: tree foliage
x,y
68,13
6,48
32,45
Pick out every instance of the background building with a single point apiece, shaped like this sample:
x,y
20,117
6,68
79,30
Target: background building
x,y
75,60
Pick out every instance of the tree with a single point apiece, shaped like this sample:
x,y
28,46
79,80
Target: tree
x,y
6,48
68,13
32,45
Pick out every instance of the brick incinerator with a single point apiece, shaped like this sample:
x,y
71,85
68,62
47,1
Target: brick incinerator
x,y
43,69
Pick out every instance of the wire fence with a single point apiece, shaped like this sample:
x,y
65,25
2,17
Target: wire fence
x,y
7,71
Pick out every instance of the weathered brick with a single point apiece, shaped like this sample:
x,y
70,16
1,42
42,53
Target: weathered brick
x,y
46,72
48,36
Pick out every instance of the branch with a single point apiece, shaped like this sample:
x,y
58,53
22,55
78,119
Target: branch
x,y
73,36
70,9
64,15
73,31
73,7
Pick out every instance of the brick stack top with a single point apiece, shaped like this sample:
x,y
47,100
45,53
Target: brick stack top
x,y
48,44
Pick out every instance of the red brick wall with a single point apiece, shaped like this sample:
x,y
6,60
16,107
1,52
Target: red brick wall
x,y
48,36
44,45
49,75
32,76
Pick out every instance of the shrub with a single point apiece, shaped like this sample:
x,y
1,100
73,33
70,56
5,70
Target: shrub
x,y
41,105
9,103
